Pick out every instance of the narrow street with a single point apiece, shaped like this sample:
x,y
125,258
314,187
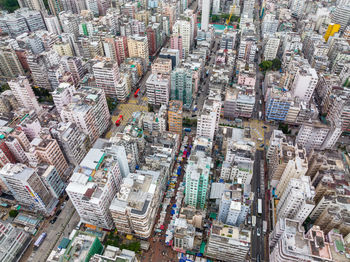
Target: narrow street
x,y
157,241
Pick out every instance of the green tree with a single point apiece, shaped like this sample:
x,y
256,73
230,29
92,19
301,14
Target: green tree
x,y
265,66
276,64
112,104
13,213
43,94
9,5
215,18
4,87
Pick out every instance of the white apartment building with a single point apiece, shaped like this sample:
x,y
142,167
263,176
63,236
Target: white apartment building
x,y
155,122
297,7
297,200
135,206
289,242
276,139
63,95
341,15
94,185
24,94
228,243
184,235
89,111
74,143
52,24
296,168
28,188
271,48
16,149
183,28
304,83
13,241
107,75
269,25
316,135
206,4
158,89
233,207
216,6
208,121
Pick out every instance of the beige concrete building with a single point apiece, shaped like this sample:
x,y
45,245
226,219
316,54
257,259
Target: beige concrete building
x,y
89,111
161,66
135,207
48,151
138,47
63,49
175,116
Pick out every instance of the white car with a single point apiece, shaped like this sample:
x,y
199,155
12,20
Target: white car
x,y
258,232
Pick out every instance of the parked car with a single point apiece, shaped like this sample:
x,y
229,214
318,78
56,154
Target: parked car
x,y
58,213
52,221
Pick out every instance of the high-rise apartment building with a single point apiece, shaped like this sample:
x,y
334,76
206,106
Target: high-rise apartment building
x,y
228,243
138,47
208,120
24,94
269,25
158,89
32,4
176,43
316,135
289,242
63,95
51,179
10,66
296,168
48,151
341,16
181,86
74,143
197,179
175,116
135,206
28,188
304,83
271,48
89,111
297,7
95,183
107,77
205,14
183,29
161,66
296,202
13,241
233,206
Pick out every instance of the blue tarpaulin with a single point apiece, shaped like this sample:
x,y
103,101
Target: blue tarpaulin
x,y
172,211
174,205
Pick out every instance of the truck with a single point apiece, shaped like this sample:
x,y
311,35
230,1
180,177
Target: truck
x,y
260,114
264,226
253,221
40,240
194,108
259,206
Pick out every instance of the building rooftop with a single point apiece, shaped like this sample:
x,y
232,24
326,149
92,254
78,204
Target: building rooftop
x,y
136,192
